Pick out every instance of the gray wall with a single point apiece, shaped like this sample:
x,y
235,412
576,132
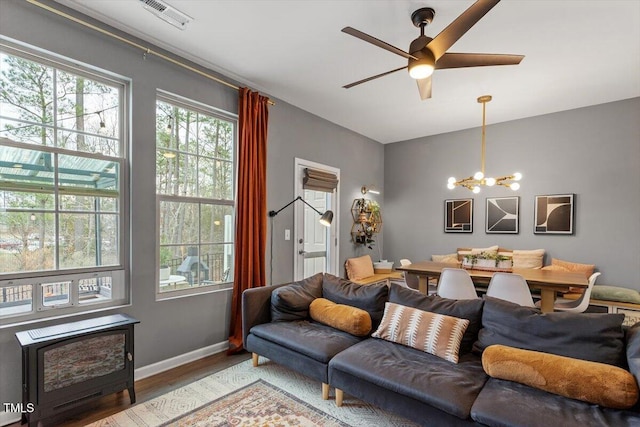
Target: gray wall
x,y
173,327
293,133
593,152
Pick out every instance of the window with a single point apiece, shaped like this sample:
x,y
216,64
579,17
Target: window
x,y
195,188
62,162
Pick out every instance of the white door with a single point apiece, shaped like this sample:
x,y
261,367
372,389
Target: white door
x,y
316,249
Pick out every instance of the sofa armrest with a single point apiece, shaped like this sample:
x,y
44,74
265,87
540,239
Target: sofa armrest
x,y
633,350
256,307
632,335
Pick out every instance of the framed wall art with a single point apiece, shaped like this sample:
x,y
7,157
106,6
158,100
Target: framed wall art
x,y
554,214
458,216
503,215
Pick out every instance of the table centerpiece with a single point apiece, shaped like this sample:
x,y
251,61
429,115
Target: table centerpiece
x,y
489,261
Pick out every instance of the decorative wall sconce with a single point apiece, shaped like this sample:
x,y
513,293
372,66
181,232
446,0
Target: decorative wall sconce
x,y
369,189
325,218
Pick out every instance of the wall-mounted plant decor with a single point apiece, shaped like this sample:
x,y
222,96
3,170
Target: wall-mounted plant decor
x,y
367,221
554,214
458,216
503,215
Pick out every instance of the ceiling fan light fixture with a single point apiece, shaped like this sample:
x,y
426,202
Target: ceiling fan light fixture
x,y
420,71
422,67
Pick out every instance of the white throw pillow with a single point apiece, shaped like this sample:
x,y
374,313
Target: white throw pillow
x,y
528,258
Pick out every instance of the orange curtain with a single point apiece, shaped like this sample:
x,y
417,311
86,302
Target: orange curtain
x,y
251,212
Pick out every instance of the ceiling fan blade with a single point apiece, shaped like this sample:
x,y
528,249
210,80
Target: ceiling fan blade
x,y
424,87
460,60
376,42
372,77
461,25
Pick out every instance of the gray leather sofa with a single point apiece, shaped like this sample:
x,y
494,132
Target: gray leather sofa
x,y
425,388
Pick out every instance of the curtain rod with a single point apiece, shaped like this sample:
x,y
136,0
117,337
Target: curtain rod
x,y
146,50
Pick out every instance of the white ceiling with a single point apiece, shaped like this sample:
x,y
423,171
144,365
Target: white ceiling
x,y
577,53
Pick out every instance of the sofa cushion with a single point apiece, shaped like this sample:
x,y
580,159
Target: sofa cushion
x,y
432,333
450,258
506,403
370,298
318,341
615,293
463,309
592,382
589,336
359,268
573,267
349,319
411,373
528,258
291,302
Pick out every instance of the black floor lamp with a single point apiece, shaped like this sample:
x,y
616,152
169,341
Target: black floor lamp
x,y
325,219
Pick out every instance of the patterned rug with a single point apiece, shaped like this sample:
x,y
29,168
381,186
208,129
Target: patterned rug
x,y
269,395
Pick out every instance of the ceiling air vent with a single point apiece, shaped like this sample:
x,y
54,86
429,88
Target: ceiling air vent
x,y
167,13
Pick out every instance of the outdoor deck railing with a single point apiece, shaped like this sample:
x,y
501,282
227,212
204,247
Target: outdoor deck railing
x,y
22,294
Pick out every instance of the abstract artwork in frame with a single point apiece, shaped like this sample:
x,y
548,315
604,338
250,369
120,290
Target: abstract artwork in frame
x,y
503,215
554,214
458,216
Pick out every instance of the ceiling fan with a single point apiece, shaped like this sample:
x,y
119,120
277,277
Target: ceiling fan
x,y
426,54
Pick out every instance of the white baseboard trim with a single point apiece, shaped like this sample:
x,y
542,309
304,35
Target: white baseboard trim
x,y
174,362
7,418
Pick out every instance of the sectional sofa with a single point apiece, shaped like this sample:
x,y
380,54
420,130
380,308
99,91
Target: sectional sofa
x,y
512,365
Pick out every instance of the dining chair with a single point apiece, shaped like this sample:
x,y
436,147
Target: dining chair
x,y
455,283
410,280
510,287
578,305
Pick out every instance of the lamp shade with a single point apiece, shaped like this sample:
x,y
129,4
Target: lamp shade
x,y
326,218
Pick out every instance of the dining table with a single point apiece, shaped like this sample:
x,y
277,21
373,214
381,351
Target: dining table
x,y
549,282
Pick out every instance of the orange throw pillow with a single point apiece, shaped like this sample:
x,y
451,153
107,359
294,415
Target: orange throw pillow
x,y
574,267
592,382
359,268
352,320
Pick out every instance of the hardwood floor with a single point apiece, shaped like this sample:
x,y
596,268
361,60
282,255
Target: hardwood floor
x,y
147,389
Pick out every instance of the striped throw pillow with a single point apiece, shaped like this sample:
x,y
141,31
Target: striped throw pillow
x,y
432,333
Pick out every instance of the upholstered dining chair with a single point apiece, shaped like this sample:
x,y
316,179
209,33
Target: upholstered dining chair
x,y
510,287
455,283
578,305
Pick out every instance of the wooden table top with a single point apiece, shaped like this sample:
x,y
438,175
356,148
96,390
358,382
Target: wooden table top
x,y
536,278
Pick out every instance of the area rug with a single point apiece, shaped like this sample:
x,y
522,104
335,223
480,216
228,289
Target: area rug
x,y
268,395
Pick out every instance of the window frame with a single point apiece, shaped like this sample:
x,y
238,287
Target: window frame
x,y
119,272
189,104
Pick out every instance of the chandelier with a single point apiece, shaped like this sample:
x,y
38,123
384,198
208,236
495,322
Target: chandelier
x,y
474,182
